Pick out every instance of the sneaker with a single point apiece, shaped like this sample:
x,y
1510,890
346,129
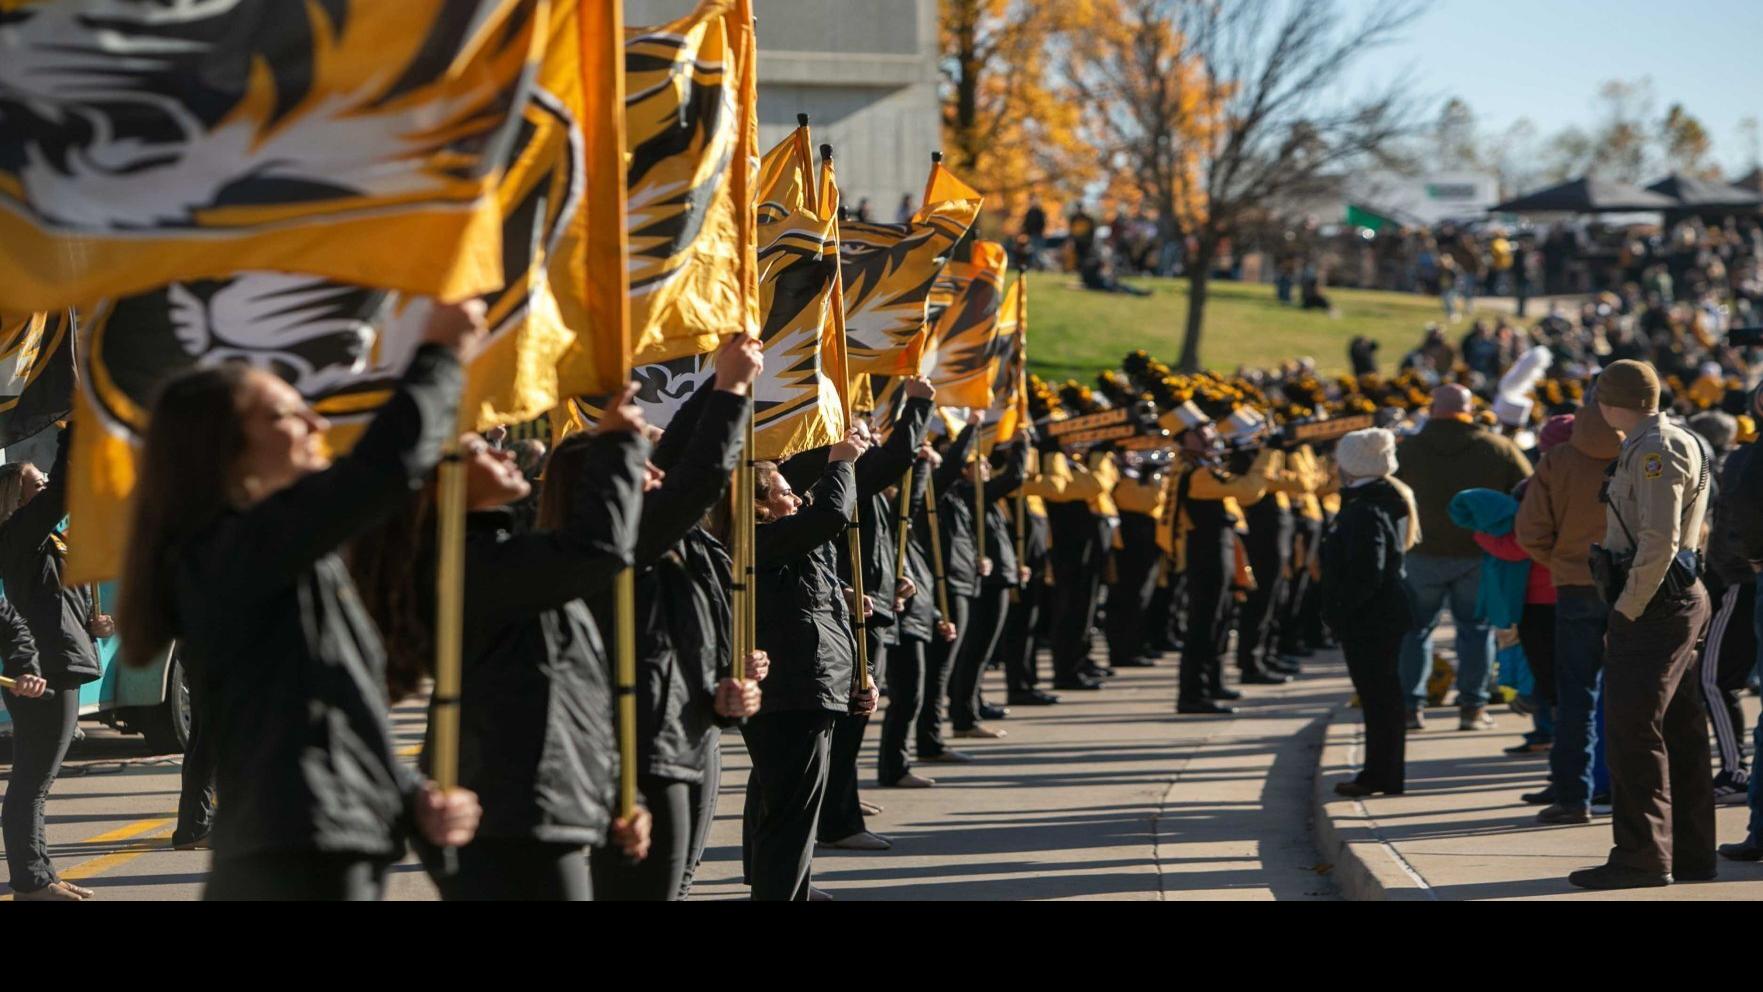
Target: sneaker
x,y
1744,850
1601,804
1729,790
1523,706
864,841
1561,815
981,731
1416,719
1543,797
1474,718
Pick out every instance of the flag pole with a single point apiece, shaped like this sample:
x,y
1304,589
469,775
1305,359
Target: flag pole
x,y
449,623
1022,418
608,279
859,625
936,552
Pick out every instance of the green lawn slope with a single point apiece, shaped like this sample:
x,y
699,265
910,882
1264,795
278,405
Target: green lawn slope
x,y
1074,334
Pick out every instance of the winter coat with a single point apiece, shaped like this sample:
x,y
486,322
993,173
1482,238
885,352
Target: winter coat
x,y
1445,458
1726,553
1746,490
280,646
955,528
957,504
537,735
1560,516
32,558
918,620
18,651
677,645
1362,564
1499,599
803,622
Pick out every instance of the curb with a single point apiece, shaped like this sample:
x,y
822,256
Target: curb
x,y
1366,867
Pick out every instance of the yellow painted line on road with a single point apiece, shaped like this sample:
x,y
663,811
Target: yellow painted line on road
x,y
156,829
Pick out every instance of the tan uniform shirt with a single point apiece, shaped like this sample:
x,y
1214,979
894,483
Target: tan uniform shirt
x,y
1655,489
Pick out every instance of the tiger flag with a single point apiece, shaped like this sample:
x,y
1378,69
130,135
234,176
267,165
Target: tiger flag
x,y
691,119
967,331
1009,370
36,372
797,401
888,271
171,142
344,346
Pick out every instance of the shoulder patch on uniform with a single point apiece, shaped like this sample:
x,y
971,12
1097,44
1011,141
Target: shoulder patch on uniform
x,y
1653,465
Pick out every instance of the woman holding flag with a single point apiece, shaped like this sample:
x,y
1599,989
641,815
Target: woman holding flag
x,y
239,514
537,742
804,625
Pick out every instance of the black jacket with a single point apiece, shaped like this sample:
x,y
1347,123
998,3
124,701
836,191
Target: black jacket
x,y
918,620
1362,592
802,620
32,556
18,651
961,538
954,519
538,739
1747,493
680,653
284,652
877,469
1726,555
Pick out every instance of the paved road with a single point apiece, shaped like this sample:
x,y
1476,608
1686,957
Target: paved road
x,y
1105,796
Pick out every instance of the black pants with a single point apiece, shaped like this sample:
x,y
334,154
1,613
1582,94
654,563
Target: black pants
x,y
701,803
1289,614
784,794
1728,658
499,869
1077,578
1208,587
196,799
1662,788
1536,633
1270,551
660,876
939,662
1018,641
841,816
1135,580
905,695
986,620
299,876
1163,628
41,730
1372,662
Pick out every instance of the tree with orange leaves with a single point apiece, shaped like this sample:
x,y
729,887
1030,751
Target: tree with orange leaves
x,y
1006,129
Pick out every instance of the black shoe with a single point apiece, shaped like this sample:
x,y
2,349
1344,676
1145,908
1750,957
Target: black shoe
x,y
1544,797
1097,672
1205,706
1033,697
1742,851
1264,678
1140,662
1220,692
1152,652
1079,684
1524,749
947,757
1708,874
1559,814
1282,666
1601,799
989,712
1618,877
1358,790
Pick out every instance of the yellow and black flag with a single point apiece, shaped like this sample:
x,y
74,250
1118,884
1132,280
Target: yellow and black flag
x,y
966,333
691,120
36,372
344,346
889,270
1009,371
166,142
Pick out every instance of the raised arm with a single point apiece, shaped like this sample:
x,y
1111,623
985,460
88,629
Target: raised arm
x,y
955,458
33,522
288,531
883,465
820,520
697,479
530,573
1010,479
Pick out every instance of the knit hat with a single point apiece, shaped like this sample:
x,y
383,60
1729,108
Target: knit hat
x,y
1367,454
1629,385
1556,430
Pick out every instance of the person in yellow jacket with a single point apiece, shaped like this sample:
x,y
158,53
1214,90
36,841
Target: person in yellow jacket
x,y
1270,542
1017,646
1209,497
1074,491
1291,630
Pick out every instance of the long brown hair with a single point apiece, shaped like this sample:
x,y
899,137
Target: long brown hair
x,y
561,472
393,567
11,489
194,438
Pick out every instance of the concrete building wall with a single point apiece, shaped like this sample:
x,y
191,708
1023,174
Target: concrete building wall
x,y
865,71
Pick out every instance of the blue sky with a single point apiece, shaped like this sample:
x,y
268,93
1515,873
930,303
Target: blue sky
x,y
1544,59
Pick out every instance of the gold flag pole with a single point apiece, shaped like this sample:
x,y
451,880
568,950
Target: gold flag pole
x,y
979,504
859,625
608,279
741,490
1022,420
936,552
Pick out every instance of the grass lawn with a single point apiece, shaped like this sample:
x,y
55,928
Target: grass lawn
x,y
1074,334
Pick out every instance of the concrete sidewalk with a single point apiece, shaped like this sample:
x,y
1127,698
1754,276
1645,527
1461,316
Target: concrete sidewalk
x,y
1461,831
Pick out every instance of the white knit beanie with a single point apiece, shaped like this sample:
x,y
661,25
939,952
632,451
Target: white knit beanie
x,y
1367,454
